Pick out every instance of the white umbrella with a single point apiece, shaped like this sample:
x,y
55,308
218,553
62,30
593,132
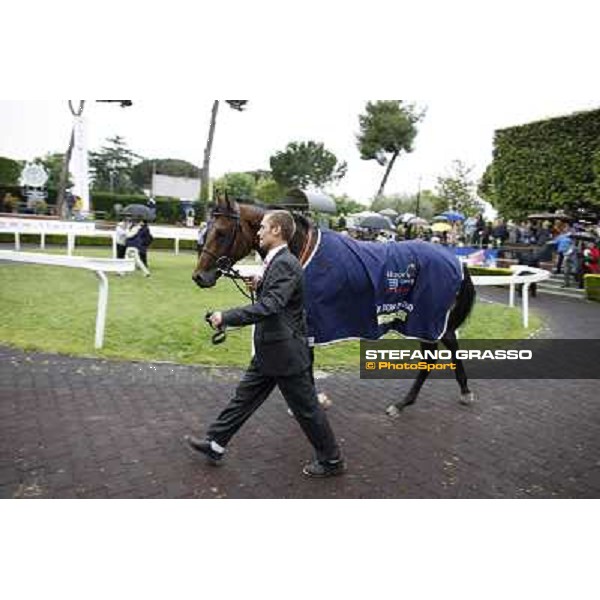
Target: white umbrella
x,y
388,212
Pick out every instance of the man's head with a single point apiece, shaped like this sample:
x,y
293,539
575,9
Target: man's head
x,y
277,227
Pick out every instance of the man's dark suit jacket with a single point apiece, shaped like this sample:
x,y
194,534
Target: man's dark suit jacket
x,y
280,337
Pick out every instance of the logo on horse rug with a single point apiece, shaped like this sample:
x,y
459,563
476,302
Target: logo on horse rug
x,y
365,289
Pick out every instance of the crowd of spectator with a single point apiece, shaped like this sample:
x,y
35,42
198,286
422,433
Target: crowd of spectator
x,y
573,247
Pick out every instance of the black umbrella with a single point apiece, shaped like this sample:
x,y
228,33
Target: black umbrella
x,y
586,236
139,211
376,222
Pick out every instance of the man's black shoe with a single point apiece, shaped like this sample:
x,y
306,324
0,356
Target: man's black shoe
x,y
327,468
204,447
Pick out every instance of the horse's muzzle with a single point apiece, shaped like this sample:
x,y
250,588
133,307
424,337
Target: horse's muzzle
x,y
205,279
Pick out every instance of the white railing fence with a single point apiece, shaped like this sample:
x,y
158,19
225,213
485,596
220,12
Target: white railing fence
x,y
522,274
73,229
100,266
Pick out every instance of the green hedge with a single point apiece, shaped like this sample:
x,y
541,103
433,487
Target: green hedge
x,y
592,287
105,201
546,165
168,210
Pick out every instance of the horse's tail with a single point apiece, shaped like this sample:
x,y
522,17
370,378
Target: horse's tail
x,y
464,301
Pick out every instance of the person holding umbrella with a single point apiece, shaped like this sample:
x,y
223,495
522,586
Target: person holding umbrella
x,y
138,240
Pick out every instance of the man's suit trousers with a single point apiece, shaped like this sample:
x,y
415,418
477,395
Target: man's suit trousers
x,y
300,395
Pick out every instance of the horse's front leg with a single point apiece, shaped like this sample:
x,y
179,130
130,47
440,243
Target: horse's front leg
x,y
394,410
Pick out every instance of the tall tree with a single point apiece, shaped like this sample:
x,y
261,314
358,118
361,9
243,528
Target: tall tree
x,y
53,164
407,203
205,174
238,185
457,190
303,164
485,187
345,205
269,191
10,171
112,166
387,128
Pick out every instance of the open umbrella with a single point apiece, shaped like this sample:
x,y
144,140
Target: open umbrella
x,y
376,222
389,212
440,227
440,218
139,211
586,236
406,217
453,215
417,221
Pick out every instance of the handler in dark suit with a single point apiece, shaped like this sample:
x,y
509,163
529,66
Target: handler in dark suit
x,y
282,356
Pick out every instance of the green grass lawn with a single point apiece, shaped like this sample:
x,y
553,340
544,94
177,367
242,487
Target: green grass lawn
x,y
161,318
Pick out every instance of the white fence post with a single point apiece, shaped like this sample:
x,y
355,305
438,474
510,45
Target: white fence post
x,y
522,274
99,265
101,314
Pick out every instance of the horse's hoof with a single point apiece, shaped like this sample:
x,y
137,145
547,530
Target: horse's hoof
x,y
467,399
324,400
392,411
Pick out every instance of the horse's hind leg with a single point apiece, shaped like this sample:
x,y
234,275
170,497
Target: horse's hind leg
x,y
394,410
466,396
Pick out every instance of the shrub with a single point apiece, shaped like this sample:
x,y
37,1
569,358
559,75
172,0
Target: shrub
x,y
105,201
592,287
547,165
168,210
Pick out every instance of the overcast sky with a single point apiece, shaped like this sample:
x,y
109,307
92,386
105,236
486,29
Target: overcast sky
x,y
455,127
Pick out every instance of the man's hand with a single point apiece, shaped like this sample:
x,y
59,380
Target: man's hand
x,y
216,319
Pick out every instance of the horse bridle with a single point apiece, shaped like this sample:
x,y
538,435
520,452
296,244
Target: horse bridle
x,y
226,264
235,215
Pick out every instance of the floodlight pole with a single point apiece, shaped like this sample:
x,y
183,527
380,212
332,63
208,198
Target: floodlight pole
x,y
77,141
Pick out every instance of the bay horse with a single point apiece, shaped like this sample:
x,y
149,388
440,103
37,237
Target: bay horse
x,y
231,235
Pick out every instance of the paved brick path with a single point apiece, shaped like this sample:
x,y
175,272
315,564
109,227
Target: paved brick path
x,y
72,427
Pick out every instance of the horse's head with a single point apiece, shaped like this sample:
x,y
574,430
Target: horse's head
x,y
225,238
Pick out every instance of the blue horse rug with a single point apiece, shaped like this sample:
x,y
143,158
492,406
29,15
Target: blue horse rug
x,y
365,289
